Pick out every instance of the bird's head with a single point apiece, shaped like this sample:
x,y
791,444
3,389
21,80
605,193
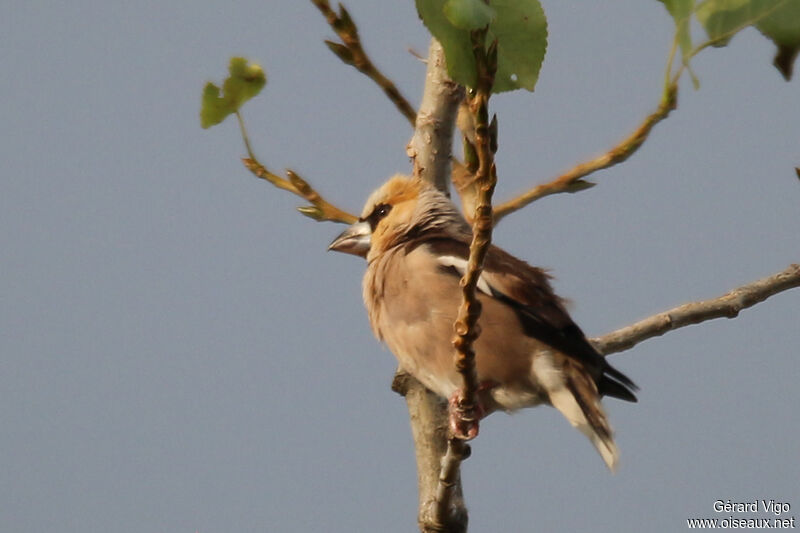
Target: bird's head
x,y
400,209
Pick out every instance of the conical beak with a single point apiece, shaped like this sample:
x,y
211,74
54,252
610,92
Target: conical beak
x,y
354,240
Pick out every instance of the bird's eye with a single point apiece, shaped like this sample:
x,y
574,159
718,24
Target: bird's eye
x,y
379,212
382,210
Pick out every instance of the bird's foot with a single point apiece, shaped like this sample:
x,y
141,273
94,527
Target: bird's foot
x,y
464,418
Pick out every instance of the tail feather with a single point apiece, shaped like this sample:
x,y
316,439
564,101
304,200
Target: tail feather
x,y
610,387
573,392
616,384
619,376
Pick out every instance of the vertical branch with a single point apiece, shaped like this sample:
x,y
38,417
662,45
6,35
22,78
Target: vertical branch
x,y
428,418
431,145
466,325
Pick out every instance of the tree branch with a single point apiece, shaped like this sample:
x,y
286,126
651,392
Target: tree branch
x,y
431,145
441,504
727,306
571,181
352,53
466,325
320,209
428,418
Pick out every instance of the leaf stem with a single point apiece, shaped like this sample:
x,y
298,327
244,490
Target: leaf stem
x,y
245,136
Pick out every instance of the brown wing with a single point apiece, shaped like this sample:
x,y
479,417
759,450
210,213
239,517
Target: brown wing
x,y
527,290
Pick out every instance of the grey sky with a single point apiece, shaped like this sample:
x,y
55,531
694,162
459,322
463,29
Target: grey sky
x,y
178,352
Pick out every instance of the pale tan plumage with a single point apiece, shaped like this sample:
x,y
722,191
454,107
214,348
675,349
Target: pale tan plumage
x,y
529,352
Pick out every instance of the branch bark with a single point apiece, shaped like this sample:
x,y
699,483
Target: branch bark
x,y
726,306
431,145
428,417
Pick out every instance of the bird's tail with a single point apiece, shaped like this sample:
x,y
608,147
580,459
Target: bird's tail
x,y
579,401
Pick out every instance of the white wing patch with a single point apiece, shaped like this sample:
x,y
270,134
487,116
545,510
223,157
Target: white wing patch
x,y
460,264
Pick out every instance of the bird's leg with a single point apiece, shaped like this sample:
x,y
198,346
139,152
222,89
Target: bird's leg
x,y
465,418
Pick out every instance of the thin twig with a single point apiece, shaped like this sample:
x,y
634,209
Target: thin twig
x,y
571,181
486,178
320,209
352,53
670,58
466,325
727,306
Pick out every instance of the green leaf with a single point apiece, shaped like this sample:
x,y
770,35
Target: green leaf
x,y
455,41
520,28
722,19
213,108
521,32
782,26
244,82
681,11
468,14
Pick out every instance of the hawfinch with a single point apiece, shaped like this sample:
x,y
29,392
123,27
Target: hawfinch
x,y
529,350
